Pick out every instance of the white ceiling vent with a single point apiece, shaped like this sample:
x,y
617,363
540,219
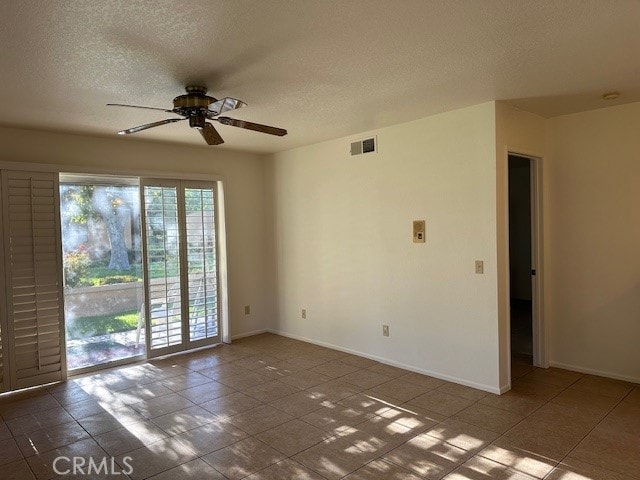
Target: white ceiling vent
x,y
368,145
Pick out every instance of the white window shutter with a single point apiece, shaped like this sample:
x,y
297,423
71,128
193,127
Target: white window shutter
x,y
34,339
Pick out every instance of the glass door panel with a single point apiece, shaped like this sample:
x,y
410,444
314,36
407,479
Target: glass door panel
x,y
202,281
164,298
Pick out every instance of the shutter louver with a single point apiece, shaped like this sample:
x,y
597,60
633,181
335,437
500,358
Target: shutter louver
x,y
33,277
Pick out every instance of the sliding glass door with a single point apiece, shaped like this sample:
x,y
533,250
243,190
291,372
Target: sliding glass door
x,y
181,267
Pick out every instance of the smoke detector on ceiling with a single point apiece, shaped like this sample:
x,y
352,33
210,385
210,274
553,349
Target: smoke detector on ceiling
x,y
368,145
610,95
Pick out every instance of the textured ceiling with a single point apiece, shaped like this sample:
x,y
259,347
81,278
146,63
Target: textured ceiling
x,y
321,69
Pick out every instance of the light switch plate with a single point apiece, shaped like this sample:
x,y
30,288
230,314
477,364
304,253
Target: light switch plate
x,y
418,231
479,267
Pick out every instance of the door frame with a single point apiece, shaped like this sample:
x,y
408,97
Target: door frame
x,y
186,344
540,344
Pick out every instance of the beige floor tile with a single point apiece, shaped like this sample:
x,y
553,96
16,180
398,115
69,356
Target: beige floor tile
x,y
307,361
536,391
211,437
156,407
184,382
334,458
333,417
428,457
369,402
360,362
381,470
511,403
285,368
18,470
521,460
305,379
334,391
67,393
285,470
462,435
462,391
206,392
270,391
38,421
554,376
520,370
552,441
603,386
565,418
571,469
365,378
300,403
489,418
5,433
440,402
14,406
223,371
335,369
587,401
184,420
143,393
479,468
156,458
130,437
388,370
194,470
230,405
413,417
400,389
243,458
378,435
106,422
255,362
9,451
610,449
430,383
42,464
51,438
293,437
260,419
243,381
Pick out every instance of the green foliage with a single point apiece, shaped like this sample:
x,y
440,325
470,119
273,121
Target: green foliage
x,y
76,266
76,201
113,279
84,327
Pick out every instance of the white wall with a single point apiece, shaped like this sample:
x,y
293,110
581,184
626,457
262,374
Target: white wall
x,y
248,233
344,251
592,192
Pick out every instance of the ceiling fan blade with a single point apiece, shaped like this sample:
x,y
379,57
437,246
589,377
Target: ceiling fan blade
x,y
139,128
211,135
233,122
224,105
138,106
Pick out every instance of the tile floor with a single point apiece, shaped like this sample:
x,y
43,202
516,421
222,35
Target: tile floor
x,y
271,408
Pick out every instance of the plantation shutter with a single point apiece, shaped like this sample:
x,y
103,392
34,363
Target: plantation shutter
x,y
33,278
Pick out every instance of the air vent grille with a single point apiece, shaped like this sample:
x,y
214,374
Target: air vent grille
x,y
367,145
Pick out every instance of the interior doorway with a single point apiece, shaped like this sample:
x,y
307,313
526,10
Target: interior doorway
x,y
520,260
527,338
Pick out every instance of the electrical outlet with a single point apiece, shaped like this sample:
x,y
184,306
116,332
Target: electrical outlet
x,y
247,309
304,313
479,267
385,330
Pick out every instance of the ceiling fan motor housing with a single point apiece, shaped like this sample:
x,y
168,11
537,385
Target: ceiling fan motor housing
x,y
195,102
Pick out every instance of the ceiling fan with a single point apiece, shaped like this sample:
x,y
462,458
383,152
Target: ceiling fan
x,y
196,106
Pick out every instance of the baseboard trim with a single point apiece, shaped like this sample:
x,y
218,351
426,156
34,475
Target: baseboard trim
x,y
249,334
386,361
591,371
